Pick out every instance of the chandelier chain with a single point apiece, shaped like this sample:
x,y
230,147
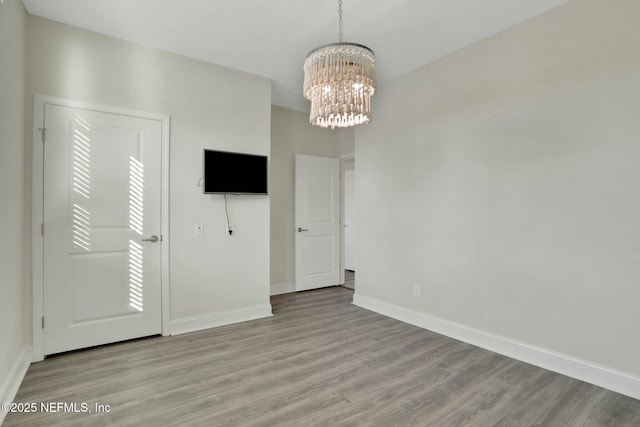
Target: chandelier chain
x,y
340,20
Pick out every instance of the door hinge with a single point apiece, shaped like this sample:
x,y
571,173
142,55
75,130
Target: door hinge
x,y
42,322
42,229
44,134
161,238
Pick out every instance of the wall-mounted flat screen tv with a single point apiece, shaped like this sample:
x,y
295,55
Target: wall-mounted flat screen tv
x,y
234,173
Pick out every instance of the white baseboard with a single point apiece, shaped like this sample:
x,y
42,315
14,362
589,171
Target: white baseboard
x,y
603,376
282,288
12,382
197,323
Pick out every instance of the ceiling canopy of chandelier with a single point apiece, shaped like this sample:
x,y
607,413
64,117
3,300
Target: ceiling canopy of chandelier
x,y
339,80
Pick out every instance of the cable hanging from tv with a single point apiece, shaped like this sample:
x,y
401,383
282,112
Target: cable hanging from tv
x,y
226,209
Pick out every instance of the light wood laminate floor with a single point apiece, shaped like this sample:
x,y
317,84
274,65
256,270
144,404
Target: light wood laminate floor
x,y
320,361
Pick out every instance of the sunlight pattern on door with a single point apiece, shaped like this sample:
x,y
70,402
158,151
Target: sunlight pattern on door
x,y
81,228
136,195
81,184
135,276
136,224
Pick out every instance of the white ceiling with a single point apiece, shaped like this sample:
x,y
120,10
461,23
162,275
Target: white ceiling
x,y
272,38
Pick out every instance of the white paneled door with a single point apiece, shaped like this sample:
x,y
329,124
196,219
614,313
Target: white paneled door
x,y
102,222
317,219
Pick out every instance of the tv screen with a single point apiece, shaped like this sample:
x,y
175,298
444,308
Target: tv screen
x,y
234,173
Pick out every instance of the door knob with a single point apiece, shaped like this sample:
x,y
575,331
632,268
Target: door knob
x,y
153,238
300,229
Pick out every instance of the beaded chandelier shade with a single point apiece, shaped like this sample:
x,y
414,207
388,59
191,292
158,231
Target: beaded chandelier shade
x,y
339,80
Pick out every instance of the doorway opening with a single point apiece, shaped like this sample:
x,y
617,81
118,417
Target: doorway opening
x,y
350,279
349,220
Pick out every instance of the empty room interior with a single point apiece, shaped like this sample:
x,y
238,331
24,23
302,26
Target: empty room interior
x,y
344,212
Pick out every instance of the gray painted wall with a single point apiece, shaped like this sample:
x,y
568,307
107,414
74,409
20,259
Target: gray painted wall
x,y
503,180
292,134
210,107
15,335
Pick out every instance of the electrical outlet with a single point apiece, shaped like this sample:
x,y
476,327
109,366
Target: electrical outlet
x,y
416,290
199,230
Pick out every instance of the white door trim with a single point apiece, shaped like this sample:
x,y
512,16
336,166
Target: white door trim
x,y
37,259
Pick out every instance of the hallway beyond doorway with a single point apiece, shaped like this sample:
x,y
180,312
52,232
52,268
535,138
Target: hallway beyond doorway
x,y
350,279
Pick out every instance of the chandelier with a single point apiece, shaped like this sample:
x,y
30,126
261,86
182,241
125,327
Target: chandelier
x,y
339,80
